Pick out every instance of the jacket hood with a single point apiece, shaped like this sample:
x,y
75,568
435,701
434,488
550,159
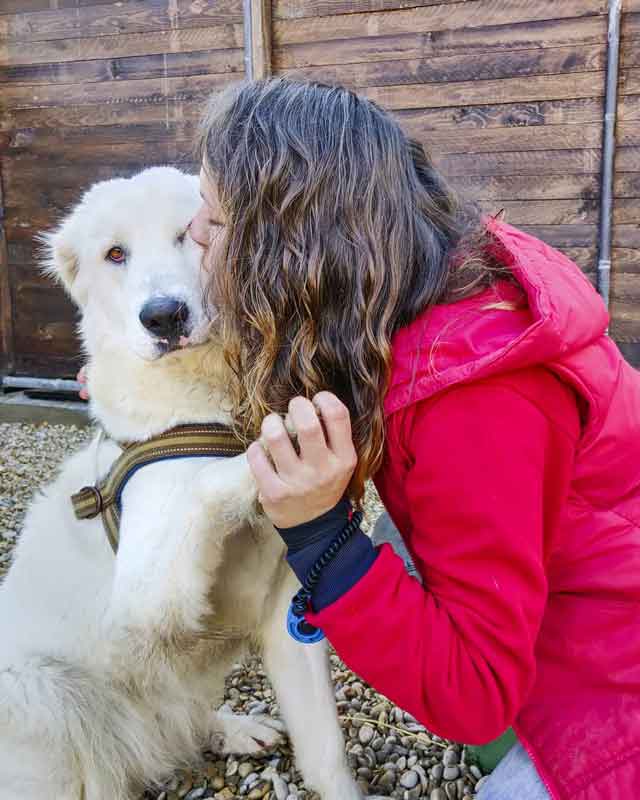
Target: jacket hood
x,y
557,312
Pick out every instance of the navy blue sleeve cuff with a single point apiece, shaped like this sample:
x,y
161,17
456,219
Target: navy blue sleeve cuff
x,y
307,542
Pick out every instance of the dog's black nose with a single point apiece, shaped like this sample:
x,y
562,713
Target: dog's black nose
x,y
165,317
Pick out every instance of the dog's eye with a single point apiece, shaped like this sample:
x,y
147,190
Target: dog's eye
x,y
117,255
180,236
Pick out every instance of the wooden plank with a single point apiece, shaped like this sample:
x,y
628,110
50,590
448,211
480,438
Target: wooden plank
x,y
192,88
627,159
20,227
49,140
45,320
168,113
125,154
219,37
629,107
420,122
297,9
631,352
625,286
536,163
535,137
7,345
137,16
627,236
626,211
363,47
500,188
49,365
625,321
585,257
508,90
158,65
260,25
627,184
471,14
630,81
544,212
462,67
564,236
17,6
626,260
561,212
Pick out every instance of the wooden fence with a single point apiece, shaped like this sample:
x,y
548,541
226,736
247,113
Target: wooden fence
x,y
507,95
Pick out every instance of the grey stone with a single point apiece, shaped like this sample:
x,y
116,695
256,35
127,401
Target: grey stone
x,y
409,779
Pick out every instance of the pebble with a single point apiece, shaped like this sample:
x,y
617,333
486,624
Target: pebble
x,y
403,764
409,779
451,773
366,734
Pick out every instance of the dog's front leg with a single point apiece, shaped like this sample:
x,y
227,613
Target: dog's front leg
x,y
173,528
301,678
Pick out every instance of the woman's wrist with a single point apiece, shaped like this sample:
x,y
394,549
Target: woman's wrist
x,y
319,529
308,541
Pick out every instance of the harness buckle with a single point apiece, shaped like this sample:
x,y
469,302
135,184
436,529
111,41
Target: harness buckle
x,y
88,502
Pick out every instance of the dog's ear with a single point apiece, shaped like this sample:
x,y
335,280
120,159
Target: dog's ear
x,y
60,261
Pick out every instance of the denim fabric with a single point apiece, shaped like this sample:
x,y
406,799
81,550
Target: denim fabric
x,y
515,778
384,531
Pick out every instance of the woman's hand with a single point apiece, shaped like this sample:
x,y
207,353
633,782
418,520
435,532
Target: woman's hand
x,y
298,488
81,377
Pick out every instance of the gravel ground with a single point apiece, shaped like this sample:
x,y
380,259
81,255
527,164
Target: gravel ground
x,y
391,754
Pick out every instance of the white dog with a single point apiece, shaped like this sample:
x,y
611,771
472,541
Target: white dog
x,y
108,677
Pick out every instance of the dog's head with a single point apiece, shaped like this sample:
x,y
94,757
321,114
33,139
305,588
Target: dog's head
x,y
126,258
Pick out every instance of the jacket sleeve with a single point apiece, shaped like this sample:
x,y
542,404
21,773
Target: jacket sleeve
x,y
489,476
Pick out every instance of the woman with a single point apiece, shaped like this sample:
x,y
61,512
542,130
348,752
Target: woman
x,y
464,366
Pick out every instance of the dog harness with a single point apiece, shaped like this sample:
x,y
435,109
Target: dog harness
x,y
184,441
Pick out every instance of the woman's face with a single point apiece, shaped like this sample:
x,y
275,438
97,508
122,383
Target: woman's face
x,y
207,226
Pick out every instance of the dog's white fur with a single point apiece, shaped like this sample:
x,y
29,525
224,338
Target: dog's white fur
x,y
107,678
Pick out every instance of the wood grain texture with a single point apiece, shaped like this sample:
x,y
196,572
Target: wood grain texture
x,y
419,122
498,188
15,6
168,113
461,67
219,37
136,16
7,347
507,90
417,43
296,9
471,14
261,26
533,164
190,88
155,65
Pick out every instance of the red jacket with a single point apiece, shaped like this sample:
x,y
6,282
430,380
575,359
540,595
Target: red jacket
x,y
512,470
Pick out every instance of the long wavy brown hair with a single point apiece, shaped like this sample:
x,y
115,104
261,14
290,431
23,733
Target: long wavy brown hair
x,y
339,231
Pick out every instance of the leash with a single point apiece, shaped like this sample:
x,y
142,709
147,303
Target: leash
x,y
184,441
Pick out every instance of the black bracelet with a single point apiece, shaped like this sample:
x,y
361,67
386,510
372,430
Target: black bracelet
x,y
298,627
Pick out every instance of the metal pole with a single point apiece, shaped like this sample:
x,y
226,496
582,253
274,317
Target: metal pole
x,y
248,47
609,150
42,384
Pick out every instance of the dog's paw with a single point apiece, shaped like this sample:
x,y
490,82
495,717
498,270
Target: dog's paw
x,y
242,734
228,490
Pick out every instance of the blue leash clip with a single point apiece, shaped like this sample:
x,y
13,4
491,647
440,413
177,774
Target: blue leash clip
x,y
298,627
301,630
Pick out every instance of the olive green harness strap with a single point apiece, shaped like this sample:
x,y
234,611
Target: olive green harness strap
x,y
185,441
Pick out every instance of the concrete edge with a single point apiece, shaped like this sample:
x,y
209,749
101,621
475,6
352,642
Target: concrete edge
x,y
17,407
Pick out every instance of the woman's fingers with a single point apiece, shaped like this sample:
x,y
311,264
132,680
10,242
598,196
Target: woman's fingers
x,y
308,427
277,441
337,425
270,486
